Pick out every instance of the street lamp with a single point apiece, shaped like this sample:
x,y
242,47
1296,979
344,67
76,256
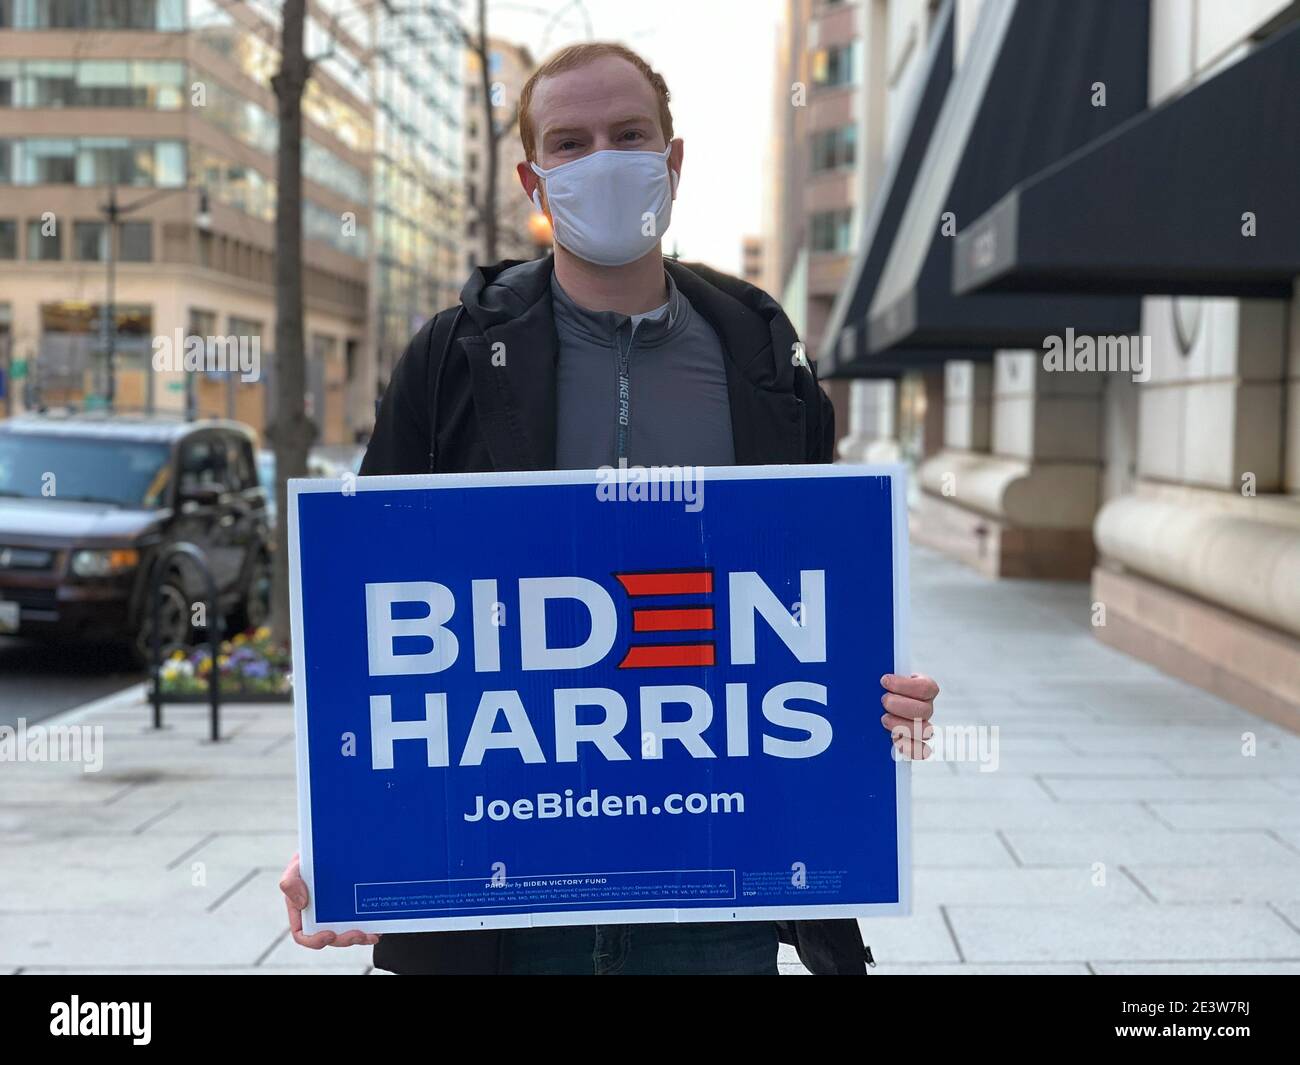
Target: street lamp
x,y
113,212
539,232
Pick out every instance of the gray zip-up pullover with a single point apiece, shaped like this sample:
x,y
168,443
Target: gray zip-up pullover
x,y
651,391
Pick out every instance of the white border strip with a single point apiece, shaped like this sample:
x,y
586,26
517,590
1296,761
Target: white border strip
x,y
897,475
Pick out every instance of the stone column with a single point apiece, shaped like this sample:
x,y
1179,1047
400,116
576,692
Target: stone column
x,y
968,405
1200,563
872,433
1014,490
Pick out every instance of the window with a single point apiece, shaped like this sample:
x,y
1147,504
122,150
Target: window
x,y
321,165
121,472
324,225
118,161
203,464
168,164
245,327
202,323
8,238
239,463
834,148
323,347
48,83
92,161
135,242
158,84
106,161
89,241
831,231
43,247
102,83
93,14
836,66
47,162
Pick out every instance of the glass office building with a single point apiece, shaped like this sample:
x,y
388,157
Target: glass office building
x,y
170,101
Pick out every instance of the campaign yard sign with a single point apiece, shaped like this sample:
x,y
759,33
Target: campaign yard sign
x,y
599,697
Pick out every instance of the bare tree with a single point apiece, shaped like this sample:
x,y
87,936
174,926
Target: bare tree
x,y
290,432
488,216
479,45
477,42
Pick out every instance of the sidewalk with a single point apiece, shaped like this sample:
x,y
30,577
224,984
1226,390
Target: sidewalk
x,y
1123,830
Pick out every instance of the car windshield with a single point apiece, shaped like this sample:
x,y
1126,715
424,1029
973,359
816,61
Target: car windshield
x,y
125,473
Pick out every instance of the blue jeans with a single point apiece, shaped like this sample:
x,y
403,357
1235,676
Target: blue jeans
x,y
731,949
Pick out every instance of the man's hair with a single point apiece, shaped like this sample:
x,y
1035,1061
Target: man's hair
x,y
577,55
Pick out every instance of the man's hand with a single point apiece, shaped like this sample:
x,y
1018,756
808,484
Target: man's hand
x,y
909,705
295,898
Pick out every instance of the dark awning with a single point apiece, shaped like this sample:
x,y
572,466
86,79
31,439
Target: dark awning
x,y
1157,205
1026,94
844,351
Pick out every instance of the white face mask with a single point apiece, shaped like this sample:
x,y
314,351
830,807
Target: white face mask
x,y
609,207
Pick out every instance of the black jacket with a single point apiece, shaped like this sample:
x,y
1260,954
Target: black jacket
x,y
501,416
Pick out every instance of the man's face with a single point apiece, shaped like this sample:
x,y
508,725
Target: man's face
x,y
604,104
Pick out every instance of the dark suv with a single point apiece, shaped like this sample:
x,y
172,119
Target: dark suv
x,y
87,502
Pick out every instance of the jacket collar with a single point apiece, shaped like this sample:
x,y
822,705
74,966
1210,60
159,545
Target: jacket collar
x,y
513,362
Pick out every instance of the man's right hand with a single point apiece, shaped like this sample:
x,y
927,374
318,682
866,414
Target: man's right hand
x,y
295,898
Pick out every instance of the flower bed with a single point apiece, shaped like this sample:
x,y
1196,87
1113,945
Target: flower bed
x,y
248,665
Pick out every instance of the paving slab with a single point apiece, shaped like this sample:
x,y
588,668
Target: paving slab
x,y
112,938
1122,933
922,937
961,849
1013,969
1198,968
1073,886
1040,814
1229,815
1162,789
1156,845
358,969
1212,883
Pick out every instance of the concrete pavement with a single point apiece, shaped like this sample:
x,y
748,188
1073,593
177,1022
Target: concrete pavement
x,y
1124,829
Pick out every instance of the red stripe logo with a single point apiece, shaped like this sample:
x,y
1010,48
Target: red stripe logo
x,y
667,582
669,619
688,620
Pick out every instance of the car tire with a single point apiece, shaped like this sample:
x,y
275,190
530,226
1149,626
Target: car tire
x,y
174,614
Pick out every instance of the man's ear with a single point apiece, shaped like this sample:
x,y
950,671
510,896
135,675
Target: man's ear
x,y
532,184
678,149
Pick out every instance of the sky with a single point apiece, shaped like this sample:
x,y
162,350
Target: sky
x,y
718,59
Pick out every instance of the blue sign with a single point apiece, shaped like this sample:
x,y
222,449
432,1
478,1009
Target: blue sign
x,y
608,696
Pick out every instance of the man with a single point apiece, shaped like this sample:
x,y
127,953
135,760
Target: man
x,y
601,353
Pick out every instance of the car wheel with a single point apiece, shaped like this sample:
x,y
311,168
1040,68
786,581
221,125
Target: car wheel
x,y
173,623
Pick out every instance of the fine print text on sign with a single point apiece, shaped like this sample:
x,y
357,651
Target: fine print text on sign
x,y
522,699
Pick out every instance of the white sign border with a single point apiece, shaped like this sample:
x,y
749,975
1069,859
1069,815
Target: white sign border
x,y
897,475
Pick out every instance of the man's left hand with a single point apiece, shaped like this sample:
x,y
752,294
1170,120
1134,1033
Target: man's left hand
x,y
909,705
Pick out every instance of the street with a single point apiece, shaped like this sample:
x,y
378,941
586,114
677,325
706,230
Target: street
x,y
38,680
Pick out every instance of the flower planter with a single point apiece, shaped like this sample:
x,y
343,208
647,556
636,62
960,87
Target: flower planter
x,y
251,670
227,698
